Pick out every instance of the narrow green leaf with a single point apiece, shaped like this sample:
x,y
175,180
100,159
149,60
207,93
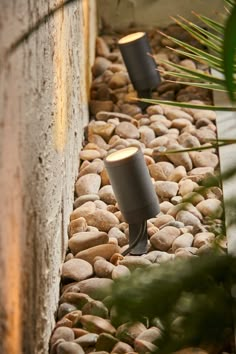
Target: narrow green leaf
x,y
230,2
201,38
187,105
203,59
229,48
214,144
201,85
181,75
200,75
193,49
205,32
217,27
193,80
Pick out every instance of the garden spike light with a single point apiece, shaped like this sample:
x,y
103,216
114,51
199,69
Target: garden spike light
x,y
134,193
141,67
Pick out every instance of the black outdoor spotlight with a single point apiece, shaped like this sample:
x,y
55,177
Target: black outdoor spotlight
x,y
141,67
134,193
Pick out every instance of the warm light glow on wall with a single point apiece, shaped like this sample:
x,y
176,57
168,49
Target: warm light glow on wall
x,y
62,82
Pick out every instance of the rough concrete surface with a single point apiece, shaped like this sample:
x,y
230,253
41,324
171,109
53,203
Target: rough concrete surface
x,y
44,69
127,13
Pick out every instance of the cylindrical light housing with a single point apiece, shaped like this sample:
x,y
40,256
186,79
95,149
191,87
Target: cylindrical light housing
x,y
142,69
132,185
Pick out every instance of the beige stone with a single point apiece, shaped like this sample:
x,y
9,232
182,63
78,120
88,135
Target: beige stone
x,y
188,141
103,268
133,262
150,335
160,171
106,251
85,209
210,207
97,324
159,141
161,119
120,236
155,109
205,134
83,240
127,130
120,271
84,199
105,130
77,269
159,128
178,173
128,331
102,48
95,166
193,198
87,340
106,194
62,333
122,348
96,288
180,123
187,186
164,238
204,159
88,184
89,155
162,219
142,346
159,256
146,134
181,158
188,218
166,189
118,80
198,114
104,116
100,65
77,225
182,241
203,238
173,113
97,106
165,207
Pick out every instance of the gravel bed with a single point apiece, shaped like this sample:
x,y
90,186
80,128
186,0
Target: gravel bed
x,y
97,232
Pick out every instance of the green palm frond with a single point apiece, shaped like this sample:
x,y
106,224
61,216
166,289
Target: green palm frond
x,y
200,85
229,50
187,105
191,48
211,24
230,2
201,30
221,42
197,74
201,37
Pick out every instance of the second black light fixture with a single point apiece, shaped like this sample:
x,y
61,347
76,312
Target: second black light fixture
x,y
141,66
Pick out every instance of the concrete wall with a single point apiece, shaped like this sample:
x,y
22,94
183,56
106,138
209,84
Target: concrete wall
x,y
119,14
44,72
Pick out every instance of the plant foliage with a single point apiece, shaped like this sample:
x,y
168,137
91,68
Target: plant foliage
x,y
190,299
220,40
